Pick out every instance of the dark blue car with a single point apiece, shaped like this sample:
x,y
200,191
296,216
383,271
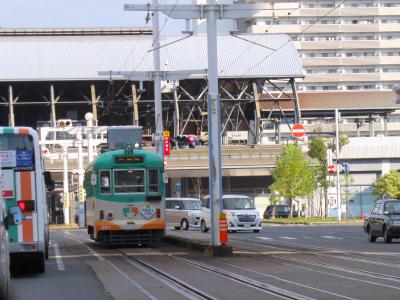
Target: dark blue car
x,y
384,221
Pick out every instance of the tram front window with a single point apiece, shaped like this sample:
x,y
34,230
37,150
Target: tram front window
x,y
129,181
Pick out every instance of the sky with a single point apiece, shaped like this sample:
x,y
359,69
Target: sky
x,y
81,13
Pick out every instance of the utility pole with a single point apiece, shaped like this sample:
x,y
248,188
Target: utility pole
x,y
66,206
339,200
211,11
157,83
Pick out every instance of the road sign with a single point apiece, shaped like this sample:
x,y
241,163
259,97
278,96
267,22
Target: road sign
x,y
331,169
178,187
167,146
298,131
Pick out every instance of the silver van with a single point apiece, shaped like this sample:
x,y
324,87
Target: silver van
x,y
183,212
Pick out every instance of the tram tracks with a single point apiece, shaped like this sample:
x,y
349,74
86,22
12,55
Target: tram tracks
x,y
182,287
281,287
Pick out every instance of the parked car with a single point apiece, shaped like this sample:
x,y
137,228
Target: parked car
x,y
240,211
183,212
383,221
281,211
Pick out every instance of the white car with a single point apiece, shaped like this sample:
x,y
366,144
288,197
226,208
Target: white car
x,y
183,212
240,211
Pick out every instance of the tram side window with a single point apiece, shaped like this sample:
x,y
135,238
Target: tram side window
x,y
153,180
129,181
105,182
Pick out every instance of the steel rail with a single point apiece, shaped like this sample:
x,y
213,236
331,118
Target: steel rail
x,y
172,279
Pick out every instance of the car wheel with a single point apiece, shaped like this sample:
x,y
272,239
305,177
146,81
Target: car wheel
x,y
185,224
177,227
386,236
203,226
371,237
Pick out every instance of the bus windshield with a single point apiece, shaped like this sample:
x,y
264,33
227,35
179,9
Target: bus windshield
x,y
129,181
238,203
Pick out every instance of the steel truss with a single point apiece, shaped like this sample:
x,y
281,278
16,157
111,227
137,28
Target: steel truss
x,y
123,102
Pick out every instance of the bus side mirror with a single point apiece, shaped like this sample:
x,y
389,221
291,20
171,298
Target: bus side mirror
x,y
14,216
48,181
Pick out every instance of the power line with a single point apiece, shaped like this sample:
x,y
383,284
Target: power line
x,y
296,36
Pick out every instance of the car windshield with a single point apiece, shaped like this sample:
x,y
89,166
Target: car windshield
x,y
192,204
238,203
282,208
393,207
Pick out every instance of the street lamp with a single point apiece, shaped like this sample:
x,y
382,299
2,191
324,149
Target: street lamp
x,y
89,124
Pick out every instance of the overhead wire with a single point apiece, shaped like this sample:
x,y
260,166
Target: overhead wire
x,y
254,43
296,36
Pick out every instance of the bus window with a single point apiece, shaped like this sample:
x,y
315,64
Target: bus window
x,y
153,180
129,181
105,182
17,151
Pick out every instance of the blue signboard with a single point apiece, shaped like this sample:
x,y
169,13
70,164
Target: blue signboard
x,y
24,158
178,187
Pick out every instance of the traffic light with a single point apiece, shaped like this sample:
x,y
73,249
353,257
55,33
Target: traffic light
x,y
64,123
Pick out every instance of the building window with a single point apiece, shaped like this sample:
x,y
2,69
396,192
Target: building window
x,y
391,70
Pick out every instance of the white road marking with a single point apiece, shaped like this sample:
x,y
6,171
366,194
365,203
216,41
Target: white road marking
x,y
118,270
287,238
265,238
60,263
288,281
307,237
331,237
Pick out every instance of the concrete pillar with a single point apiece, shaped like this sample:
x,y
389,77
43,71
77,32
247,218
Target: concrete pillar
x,y
371,128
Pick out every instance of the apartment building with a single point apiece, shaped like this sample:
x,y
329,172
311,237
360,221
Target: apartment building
x,y
344,45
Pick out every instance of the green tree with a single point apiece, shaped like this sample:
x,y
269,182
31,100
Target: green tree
x,y
388,185
317,149
293,175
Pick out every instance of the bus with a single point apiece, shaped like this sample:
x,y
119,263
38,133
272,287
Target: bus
x,y
125,201
23,184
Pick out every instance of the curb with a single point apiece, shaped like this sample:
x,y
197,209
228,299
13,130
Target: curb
x,y
315,223
207,250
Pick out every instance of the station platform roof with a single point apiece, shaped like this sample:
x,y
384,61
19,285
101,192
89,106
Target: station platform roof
x,y
324,103
67,55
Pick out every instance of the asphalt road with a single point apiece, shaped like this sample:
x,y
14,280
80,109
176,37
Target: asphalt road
x,y
289,262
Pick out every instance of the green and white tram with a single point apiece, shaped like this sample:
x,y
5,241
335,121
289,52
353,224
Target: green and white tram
x,y
125,197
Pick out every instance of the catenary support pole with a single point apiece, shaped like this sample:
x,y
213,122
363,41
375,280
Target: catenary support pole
x,y
157,82
65,186
214,125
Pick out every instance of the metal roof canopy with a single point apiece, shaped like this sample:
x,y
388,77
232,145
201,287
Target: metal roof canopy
x,y
61,58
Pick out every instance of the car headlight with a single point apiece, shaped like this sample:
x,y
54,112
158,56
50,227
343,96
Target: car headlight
x,y
231,214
